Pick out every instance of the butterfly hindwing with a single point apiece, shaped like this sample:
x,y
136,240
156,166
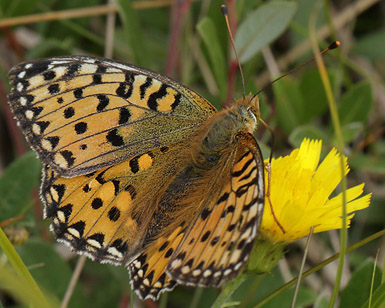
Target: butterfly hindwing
x,y
212,245
81,114
148,270
218,243
102,214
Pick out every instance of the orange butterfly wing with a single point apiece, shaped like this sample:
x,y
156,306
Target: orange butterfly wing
x,y
219,241
81,114
102,214
214,244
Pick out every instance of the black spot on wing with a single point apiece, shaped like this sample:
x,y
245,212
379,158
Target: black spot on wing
x,y
96,203
78,93
69,112
36,69
68,156
103,102
124,115
54,88
114,214
72,69
152,100
80,128
114,138
49,75
144,87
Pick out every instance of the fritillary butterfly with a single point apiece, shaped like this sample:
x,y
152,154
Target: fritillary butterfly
x,y
140,171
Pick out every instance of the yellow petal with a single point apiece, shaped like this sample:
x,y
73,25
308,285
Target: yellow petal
x,y
300,190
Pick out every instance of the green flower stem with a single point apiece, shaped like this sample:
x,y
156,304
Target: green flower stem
x,y
229,289
163,300
340,148
319,267
196,298
21,269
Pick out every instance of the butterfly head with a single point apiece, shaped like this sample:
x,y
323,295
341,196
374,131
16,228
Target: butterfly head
x,y
247,108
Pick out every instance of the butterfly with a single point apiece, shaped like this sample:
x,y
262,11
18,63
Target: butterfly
x,y
140,171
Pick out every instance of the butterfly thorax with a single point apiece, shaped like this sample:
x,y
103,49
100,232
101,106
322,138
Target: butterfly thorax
x,y
222,131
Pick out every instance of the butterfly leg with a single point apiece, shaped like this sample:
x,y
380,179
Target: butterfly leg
x,y
268,170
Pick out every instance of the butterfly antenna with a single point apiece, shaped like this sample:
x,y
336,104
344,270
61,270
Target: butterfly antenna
x,y
333,45
226,15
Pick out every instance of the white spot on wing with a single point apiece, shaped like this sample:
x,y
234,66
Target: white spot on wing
x,y
88,68
121,66
176,263
185,269
29,114
46,145
94,243
73,232
60,216
59,71
22,101
207,273
113,251
36,129
140,273
19,87
237,266
54,194
113,70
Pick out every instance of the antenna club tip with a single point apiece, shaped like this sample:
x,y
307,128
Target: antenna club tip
x,y
335,45
224,9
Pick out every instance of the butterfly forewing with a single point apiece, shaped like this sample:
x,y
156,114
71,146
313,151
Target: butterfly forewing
x,y
82,114
218,242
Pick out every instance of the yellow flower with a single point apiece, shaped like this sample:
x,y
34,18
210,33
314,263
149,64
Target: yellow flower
x,y
299,192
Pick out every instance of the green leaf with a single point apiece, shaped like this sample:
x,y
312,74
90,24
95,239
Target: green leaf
x,y
368,163
306,131
290,104
26,282
351,131
378,298
208,33
16,185
263,26
322,302
356,104
365,45
315,102
357,290
50,270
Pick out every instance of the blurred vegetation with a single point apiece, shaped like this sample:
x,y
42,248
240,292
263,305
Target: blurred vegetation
x,y
189,41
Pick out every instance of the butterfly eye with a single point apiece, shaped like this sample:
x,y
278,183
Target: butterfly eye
x,y
251,113
212,158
